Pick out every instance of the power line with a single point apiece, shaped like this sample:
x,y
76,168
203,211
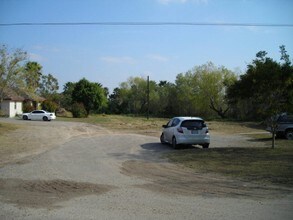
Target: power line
x,y
145,24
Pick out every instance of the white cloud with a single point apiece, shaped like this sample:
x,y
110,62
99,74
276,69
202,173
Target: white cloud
x,y
166,2
118,60
46,48
36,57
157,57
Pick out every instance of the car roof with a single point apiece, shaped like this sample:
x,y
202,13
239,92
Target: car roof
x,y
183,118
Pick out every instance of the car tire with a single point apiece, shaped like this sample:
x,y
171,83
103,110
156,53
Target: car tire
x,y
174,143
24,117
205,145
45,118
162,139
289,134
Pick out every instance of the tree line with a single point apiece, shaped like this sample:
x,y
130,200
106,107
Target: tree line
x,y
210,91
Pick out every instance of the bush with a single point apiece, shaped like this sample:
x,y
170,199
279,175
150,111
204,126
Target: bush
x,y
49,106
78,110
27,107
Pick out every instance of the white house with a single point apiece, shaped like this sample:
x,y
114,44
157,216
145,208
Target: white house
x,y
11,104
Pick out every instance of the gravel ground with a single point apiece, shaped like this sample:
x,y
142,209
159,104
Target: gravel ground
x,y
82,171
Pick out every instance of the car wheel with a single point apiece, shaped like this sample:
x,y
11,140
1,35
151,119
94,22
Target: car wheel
x,y
205,145
174,143
24,117
45,118
289,134
162,139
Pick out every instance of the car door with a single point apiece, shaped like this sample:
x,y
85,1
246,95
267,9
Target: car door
x,y
33,115
36,115
166,130
169,130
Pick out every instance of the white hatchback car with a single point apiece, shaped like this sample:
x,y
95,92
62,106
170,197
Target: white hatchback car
x,y
39,115
186,130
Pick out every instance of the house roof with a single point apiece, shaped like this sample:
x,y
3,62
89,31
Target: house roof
x,y
10,94
18,95
29,96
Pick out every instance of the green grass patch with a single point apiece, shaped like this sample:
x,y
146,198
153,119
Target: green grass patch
x,y
253,164
267,139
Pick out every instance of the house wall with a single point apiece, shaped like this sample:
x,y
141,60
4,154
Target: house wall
x,y
11,108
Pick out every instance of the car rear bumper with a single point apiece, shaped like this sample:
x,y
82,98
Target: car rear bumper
x,y
192,139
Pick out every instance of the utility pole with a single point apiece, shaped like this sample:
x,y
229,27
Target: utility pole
x,y
148,97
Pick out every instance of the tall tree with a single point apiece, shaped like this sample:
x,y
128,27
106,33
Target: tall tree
x,y
92,95
11,69
266,88
213,82
32,76
66,100
48,86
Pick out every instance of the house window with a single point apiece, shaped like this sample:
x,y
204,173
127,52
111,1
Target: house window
x,y
15,105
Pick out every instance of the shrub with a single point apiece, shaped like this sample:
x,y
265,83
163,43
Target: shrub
x,y
78,110
27,107
49,106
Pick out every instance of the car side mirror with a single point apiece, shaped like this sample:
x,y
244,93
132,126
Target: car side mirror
x,y
164,126
204,125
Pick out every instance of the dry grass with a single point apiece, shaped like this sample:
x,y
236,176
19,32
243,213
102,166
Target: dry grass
x,y
5,127
154,125
253,164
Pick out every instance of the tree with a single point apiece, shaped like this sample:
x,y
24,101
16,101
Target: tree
x,y
266,88
92,95
66,96
202,90
11,69
48,86
32,76
213,82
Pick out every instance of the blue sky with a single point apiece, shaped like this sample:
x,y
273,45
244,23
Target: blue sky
x,y
111,54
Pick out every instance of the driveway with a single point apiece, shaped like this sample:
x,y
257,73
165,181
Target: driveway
x,y
89,172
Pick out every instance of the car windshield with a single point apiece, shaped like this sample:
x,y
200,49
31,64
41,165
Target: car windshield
x,y
198,124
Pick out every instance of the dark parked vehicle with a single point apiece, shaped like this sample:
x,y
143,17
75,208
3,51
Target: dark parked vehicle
x,y
284,126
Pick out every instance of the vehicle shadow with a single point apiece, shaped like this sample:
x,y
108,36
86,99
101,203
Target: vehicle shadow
x,y
158,147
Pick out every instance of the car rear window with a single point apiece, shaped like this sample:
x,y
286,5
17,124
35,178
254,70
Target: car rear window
x,y
192,124
286,118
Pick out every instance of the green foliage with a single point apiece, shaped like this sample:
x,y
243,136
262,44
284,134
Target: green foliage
x,y
27,107
265,89
32,76
200,91
92,95
49,106
66,96
78,110
11,68
48,86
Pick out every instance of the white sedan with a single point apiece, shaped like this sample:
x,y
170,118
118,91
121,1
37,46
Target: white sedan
x,y
39,115
186,130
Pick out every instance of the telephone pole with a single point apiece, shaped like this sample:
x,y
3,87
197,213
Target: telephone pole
x,y
148,97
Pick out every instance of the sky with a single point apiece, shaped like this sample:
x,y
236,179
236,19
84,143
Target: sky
x,y
110,54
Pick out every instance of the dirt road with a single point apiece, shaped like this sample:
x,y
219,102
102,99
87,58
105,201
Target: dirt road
x,y
88,172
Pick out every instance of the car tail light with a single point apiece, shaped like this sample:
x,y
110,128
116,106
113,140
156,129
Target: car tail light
x,y
180,130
